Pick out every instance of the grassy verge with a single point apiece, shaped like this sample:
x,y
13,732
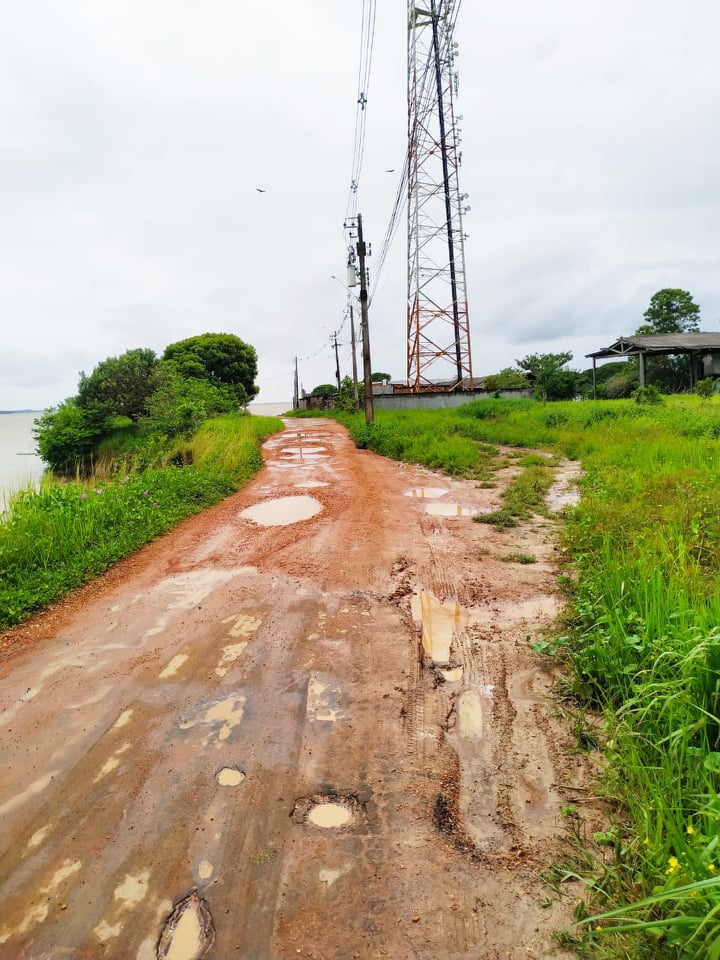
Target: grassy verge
x,y
644,640
59,537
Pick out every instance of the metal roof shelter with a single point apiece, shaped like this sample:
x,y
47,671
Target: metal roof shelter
x,y
697,345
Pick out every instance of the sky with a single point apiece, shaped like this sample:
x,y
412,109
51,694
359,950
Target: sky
x,y
135,136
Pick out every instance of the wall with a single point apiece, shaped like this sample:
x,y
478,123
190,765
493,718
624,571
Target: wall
x,y
441,401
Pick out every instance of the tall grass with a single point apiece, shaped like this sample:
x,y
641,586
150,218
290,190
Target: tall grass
x,y
645,619
60,536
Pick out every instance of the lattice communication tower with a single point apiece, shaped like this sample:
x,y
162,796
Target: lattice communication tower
x,y
438,325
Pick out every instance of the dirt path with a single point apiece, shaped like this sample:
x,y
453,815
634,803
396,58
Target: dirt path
x,y
334,729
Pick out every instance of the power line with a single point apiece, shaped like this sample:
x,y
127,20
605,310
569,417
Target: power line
x,y
367,42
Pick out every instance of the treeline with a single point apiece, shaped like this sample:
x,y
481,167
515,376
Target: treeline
x,y
139,402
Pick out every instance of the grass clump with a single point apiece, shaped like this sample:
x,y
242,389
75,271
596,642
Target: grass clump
x,y
522,558
59,536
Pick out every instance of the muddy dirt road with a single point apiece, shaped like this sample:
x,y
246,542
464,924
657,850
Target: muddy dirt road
x,y
311,729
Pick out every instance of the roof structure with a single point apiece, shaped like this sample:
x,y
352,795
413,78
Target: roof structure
x,y
697,345
660,344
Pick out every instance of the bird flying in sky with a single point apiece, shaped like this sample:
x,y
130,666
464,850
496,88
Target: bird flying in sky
x,y
260,190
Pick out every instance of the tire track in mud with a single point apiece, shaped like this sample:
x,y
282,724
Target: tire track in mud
x,y
497,795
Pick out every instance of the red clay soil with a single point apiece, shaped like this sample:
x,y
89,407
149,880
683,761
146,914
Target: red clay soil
x,y
327,738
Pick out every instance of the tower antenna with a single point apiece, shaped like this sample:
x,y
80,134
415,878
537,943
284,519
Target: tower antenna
x,y
438,324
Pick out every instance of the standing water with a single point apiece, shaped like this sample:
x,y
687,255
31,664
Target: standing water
x,y
19,463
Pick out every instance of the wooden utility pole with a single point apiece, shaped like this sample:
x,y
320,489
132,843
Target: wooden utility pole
x,y
296,391
367,370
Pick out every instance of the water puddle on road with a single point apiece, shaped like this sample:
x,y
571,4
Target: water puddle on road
x,y
172,668
440,622
223,716
310,484
427,493
189,932
230,776
450,510
452,674
470,714
302,451
282,511
330,816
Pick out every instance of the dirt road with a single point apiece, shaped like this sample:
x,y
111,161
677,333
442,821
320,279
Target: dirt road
x,y
267,737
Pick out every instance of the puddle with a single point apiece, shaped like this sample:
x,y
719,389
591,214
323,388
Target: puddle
x,y
172,668
230,777
440,622
302,451
230,654
310,484
329,816
427,493
189,932
452,674
123,719
329,812
224,716
450,510
282,511
132,890
470,714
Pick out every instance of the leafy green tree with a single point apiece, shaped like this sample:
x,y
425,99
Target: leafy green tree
x,y
179,405
380,377
323,389
66,437
118,387
671,310
507,379
551,381
221,358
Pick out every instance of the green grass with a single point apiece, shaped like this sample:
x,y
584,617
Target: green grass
x,y
60,536
643,637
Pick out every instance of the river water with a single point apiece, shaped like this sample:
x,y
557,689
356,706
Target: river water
x,y
19,463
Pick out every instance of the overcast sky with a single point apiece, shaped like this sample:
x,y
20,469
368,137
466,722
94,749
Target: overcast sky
x,y
134,137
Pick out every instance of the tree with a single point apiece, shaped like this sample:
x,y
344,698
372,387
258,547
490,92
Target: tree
x,y
179,404
65,437
380,377
221,358
671,311
507,379
118,387
550,380
323,389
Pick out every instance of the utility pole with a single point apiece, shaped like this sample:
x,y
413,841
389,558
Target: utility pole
x,y
367,371
354,357
337,362
296,391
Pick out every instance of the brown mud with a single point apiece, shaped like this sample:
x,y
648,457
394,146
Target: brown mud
x,y
318,731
